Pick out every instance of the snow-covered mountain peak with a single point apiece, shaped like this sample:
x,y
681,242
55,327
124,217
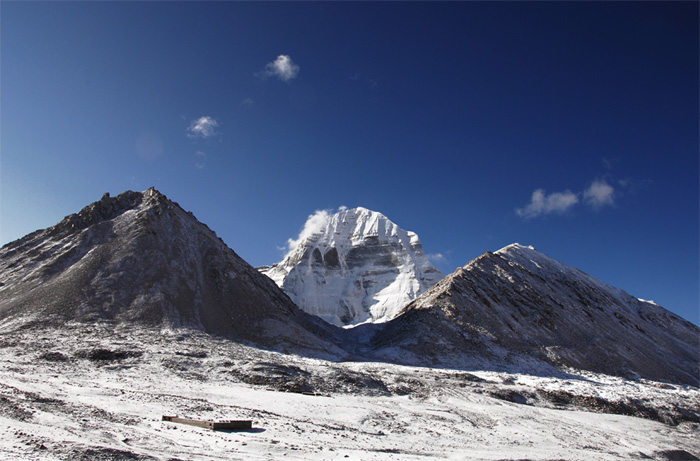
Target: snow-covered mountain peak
x,y
517,248
353,266
355,224
527,258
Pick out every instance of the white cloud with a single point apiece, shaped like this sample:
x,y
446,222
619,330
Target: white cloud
x,y
599,194
283,68
315,223
437,258
203,127
542,204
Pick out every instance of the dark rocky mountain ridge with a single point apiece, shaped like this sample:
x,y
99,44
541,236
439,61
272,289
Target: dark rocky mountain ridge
x,y
140,259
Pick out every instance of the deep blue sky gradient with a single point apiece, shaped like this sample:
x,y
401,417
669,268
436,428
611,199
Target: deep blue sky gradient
x,y
446,117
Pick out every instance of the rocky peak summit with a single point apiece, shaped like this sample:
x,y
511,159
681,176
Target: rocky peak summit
x,y
354,266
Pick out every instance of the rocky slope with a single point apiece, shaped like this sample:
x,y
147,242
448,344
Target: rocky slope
x,y
355,266
519,307
139,257
139,260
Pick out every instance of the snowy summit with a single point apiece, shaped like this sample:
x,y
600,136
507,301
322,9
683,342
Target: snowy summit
x,y
354,266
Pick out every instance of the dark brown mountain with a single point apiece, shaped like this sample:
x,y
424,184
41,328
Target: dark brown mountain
x,y
139,257
519,308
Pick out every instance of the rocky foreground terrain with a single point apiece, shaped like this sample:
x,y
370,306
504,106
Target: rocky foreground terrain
x,y
98,391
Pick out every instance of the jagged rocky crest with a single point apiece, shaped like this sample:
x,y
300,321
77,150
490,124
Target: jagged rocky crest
x,y
356,266
139,257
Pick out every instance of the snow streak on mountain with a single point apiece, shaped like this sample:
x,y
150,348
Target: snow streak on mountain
x,y
354,266
517,306
139,257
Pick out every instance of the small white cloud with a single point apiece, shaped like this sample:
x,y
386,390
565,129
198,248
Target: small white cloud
x,y
437,258
542,204
247,102
203,127
599,194
283,68
315,223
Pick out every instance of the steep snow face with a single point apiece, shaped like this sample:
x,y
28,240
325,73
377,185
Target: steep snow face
x,y
139,257
517,305
354,266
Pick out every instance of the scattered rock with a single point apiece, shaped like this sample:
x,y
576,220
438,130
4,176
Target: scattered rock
x,y
106,355
53,357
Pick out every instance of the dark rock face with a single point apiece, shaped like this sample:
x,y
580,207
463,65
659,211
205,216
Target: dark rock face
x,y
331,259
519,305
140,257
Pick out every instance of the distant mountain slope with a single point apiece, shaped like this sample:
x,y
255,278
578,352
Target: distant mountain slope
x,y
518,305
357,266
139,257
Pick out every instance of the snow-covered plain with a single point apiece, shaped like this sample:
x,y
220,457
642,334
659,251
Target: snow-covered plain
x,y
99,392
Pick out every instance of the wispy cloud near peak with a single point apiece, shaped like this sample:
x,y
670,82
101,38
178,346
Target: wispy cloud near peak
x,y
315,223
437,258
543,204
599,194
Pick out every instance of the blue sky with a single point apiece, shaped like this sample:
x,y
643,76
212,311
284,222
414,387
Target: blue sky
x,y
570,126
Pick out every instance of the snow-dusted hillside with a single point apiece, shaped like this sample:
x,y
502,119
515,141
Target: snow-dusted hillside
x,y
98,392
139,257
354,266
519,309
